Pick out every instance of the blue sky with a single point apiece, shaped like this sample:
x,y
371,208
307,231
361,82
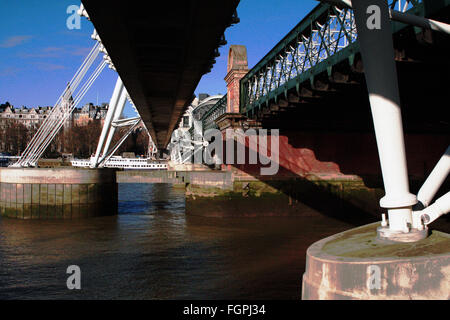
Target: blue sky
x,y
39,54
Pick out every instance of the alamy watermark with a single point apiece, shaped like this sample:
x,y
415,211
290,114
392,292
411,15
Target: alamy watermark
x,y
374,20
74,19
74,280
374,277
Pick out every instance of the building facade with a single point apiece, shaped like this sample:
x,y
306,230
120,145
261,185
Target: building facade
x,y
33,117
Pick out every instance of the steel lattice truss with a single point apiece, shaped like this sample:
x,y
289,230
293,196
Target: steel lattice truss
x,y
311,48
327,35
403,5
314,42
215,112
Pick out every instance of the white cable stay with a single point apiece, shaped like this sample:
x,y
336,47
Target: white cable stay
x,y
62,110
65,115
45,127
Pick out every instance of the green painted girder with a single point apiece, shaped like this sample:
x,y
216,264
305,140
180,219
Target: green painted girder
x,y
335,37
320,14
212,114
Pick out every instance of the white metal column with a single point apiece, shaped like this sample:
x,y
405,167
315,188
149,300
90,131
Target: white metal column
x,y
116,116
377,51
108,120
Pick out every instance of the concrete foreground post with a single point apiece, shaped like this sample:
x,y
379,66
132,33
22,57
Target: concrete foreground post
x,y
359,263
356,265
59,193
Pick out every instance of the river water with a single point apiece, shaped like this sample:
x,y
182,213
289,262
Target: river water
x,y
152,250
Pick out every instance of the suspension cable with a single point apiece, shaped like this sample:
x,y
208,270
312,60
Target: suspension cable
x,y
62,110
65,115
72,84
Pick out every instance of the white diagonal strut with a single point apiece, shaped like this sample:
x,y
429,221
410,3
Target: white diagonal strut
x,y
134,122
112,121
108,120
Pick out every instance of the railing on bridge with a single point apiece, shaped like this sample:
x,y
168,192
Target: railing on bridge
x,y
215,112
325,37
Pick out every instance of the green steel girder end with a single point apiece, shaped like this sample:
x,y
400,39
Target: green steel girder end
x,y
418,30
329,71
311,81
351,59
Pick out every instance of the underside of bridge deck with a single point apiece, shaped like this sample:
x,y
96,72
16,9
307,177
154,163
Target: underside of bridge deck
x,y
161,50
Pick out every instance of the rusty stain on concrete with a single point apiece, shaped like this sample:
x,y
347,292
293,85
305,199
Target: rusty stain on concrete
x,y
339,267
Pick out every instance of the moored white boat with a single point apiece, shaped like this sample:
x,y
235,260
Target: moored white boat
x,y
125,163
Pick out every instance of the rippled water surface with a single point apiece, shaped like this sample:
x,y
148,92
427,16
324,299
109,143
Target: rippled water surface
x,y
152,250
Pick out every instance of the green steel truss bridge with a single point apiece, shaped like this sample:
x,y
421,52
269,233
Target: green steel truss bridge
x,y
318,56
315,79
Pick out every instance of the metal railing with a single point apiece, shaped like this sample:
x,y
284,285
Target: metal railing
x,y
325,37
220,108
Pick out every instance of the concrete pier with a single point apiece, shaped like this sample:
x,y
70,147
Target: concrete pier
x,y
356,265
235,194
58,193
